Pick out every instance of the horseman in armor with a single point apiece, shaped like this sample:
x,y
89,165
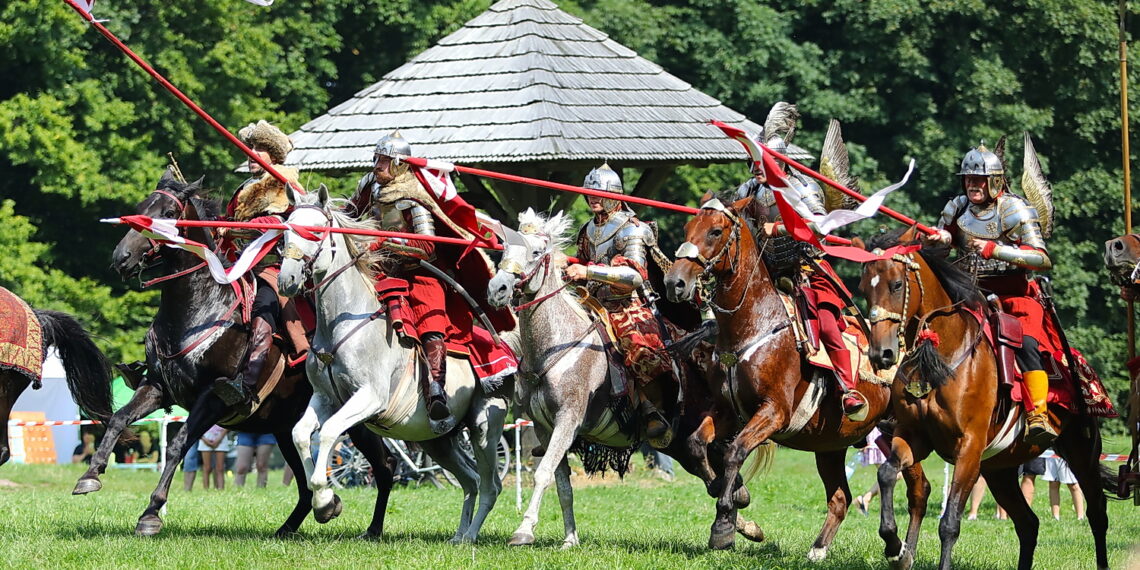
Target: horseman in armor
x,y
792,262
1001,236
439,315
261,198
615,245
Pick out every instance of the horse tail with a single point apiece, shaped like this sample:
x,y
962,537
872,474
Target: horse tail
x,y
929,364
759,461
88,370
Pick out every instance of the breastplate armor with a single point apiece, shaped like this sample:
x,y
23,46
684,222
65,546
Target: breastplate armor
x,y
1007,221
601,239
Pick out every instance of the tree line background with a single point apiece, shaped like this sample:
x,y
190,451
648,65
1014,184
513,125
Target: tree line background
x,y
84,134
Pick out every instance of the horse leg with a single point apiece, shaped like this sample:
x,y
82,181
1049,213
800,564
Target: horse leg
x,y
359,407
485,421
372,446
830,466
302,434
759,427
447,452
966,470
918,497
566,501
202,416
697,445
304,495
692,453
1006,489
12,384
557,443
147,399
1080,445
902,459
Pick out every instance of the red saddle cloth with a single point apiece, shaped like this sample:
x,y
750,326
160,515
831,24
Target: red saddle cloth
x,y
21,337
491,363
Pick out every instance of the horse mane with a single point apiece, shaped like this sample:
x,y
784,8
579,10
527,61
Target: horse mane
x,y
556,227
208,208
961,286
358,245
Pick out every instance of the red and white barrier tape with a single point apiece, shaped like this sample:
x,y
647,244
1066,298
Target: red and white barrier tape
x,y
518,424
28,423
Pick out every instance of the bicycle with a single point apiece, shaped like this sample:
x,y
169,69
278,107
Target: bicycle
x,y
349,468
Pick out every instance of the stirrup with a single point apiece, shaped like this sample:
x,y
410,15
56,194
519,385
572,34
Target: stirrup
x,y
664,436
1038,430
231,391
854,405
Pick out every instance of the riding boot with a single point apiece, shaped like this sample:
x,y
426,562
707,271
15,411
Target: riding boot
x,y
657,429
242,388
439,415
854,404
1038,429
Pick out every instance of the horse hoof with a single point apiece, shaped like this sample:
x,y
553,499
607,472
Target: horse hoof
x,y
817,554
370,536
901,561
722,537
567,545
329,512
148,526
521,539
85,486
749,529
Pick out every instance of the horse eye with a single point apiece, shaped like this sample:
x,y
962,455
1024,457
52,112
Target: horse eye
x,y
896,285
716,232
534,254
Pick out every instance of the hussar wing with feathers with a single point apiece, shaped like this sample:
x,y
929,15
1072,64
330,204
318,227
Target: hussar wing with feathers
x,y
1036,188
781,122
834,164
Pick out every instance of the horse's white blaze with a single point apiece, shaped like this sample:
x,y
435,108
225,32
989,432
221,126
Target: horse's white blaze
x,y
874,281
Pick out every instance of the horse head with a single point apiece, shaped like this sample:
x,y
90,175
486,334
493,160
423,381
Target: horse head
x,y
170,199
711,248
892,288
303,251
1121,259
527,252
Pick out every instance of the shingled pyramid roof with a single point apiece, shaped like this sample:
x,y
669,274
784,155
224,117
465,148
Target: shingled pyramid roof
x,y
525,81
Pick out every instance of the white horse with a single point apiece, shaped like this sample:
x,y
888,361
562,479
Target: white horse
x,y
564,382
361,373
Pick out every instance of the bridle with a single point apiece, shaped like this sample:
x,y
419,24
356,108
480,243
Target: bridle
x,y
148,257
878,313
689,251
291,251
523,277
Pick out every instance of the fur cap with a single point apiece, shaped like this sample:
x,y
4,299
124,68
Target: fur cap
x,y
267,137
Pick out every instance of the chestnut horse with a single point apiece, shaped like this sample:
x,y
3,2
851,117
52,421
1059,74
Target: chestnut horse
x,y
197,336
88,373
758,346
945,399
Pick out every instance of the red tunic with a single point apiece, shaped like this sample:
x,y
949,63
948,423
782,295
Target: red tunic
x,y
1020,297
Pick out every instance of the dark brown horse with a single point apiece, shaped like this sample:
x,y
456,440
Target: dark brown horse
x,y
88,373
768,382
197,336
1121,258
946,400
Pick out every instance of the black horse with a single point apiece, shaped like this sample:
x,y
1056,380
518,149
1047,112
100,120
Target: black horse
x,y
197,336
88,372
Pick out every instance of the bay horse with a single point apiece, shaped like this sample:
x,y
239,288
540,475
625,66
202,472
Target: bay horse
x,y
25,347
197,336
770,394
946,400
566,384
363,375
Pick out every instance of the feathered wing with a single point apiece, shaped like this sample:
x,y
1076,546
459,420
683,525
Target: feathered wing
x,y
781,122
1036,188
834,164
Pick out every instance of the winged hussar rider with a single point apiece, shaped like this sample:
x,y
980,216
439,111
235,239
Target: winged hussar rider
x,y
1002,237
793,262
615,244
435,314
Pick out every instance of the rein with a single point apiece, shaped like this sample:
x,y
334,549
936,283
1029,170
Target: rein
x,y
879,314
545,265
689,251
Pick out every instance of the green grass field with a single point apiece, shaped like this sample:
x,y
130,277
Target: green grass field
x,y
641,522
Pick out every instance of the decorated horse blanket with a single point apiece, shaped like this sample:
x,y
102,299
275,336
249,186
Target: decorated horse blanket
x,y
21,337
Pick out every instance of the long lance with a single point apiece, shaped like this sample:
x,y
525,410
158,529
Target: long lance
x,y
425,163
885,210
181,97
1134,393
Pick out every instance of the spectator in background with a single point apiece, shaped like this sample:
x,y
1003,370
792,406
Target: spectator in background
x,y
190,465
1056,473
145,450
659,462
249,446
85,449
213,447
